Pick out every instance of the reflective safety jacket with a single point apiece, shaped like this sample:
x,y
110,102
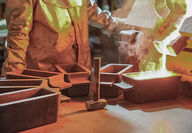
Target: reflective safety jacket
x,y
42,33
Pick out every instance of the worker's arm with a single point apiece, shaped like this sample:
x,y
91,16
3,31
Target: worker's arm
x,y
165,31
165,26
102,19
96,16
19,16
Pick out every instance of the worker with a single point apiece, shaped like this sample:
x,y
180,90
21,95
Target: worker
x,y
163,17
42,33
171,16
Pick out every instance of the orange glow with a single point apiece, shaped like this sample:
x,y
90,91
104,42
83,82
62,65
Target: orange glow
x,y
163,44
151,75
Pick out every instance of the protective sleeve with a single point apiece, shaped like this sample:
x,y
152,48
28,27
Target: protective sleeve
x,y
164,27
19,16
96,16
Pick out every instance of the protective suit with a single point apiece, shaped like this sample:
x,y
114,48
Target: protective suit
x,y
171,16
171,13
43,33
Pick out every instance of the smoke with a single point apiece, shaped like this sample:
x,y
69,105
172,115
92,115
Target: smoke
x,y
139,40
141,51
135,49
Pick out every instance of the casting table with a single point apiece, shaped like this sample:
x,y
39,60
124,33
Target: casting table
x,y
171,116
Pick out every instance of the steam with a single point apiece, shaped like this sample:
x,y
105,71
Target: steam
x,y
135,50
142,49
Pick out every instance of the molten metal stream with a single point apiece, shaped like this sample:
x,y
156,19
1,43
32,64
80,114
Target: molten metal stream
x,y
164,59
151,75
161,73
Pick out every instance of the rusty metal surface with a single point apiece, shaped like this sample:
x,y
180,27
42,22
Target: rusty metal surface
x,y
110,74
9,85
113,72
30,74
26,109
108,90
56,79
78,76
75,73
78,90
5,89
20,82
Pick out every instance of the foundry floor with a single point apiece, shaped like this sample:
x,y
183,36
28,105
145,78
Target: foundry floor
x,y
173,116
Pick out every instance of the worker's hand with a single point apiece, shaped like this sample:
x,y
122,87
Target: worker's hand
x,y
113,24
165,45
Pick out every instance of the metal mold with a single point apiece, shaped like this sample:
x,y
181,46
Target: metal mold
x,y
75,73
78,90
55,79
71,68
113,72
25,109
20,82
9,85
108,90
30,74
5,89
110,74
150,90
186,85
78,76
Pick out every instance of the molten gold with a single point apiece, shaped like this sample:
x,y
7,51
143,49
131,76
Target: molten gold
x,y
151,75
